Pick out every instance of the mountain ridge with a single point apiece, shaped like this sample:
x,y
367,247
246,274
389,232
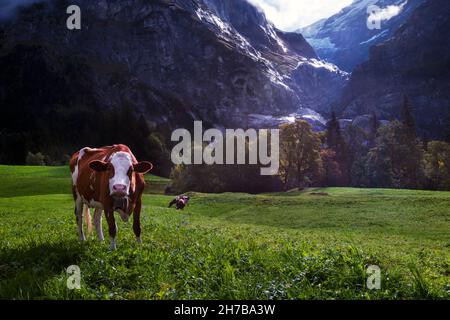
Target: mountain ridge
x,y
192,51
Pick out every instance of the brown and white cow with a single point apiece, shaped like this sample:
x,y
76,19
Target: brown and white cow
x,y
108,179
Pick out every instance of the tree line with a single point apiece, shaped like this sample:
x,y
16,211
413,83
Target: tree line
x,y
379,156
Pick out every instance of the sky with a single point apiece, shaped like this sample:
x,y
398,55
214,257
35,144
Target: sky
x,y
289,15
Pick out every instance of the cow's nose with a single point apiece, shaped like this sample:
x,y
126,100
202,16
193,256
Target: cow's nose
x,y
121,188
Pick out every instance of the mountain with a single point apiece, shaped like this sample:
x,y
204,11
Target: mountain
x,y
414,62
172,61
345,39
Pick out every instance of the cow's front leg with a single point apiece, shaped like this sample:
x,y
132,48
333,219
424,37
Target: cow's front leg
x,y
112,228
98,224
137,221
79,218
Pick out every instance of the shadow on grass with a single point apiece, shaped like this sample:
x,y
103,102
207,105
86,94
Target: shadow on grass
x,y
24,270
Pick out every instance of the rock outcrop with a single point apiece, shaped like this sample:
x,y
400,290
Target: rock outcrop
x,y
173,61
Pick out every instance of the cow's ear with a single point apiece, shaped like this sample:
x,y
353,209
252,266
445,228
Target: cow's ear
x,y
143,167
98,165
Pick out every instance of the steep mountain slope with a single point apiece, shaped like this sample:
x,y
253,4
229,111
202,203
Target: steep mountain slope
x,y
344,39
414,62
173,61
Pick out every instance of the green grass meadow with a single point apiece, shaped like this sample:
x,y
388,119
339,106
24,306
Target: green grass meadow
x,y
295,245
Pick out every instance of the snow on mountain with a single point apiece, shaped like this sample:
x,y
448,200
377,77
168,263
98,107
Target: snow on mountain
x,y
344,39
268,121
287,58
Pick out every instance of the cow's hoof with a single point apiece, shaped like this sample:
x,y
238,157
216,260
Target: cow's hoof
x,y
112,245
138,240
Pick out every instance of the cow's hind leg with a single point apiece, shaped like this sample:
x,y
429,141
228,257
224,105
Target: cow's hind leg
x,y
79,218
98,224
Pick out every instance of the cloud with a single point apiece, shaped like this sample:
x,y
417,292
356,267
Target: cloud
x,y
290,15
8,7
386,13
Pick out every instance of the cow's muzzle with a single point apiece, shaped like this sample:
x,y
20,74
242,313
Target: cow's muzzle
x,y
119,191
121,206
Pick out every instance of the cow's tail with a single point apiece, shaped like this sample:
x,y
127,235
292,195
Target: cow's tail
x,y
88,219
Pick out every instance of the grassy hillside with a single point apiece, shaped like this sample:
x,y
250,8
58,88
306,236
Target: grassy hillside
x,y
307,245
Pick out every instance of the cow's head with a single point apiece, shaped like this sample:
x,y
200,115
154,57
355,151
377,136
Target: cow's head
x,y
120,169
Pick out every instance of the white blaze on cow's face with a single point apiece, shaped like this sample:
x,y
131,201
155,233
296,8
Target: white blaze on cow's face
x,y
119,183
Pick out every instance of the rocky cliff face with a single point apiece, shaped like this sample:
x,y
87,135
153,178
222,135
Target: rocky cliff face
x,y
344,39
414,62
173,61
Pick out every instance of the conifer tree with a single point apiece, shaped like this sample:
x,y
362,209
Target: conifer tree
x,y
335,141
408,117
374,126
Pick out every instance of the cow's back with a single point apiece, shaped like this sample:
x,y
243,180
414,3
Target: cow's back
x,y
87,182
